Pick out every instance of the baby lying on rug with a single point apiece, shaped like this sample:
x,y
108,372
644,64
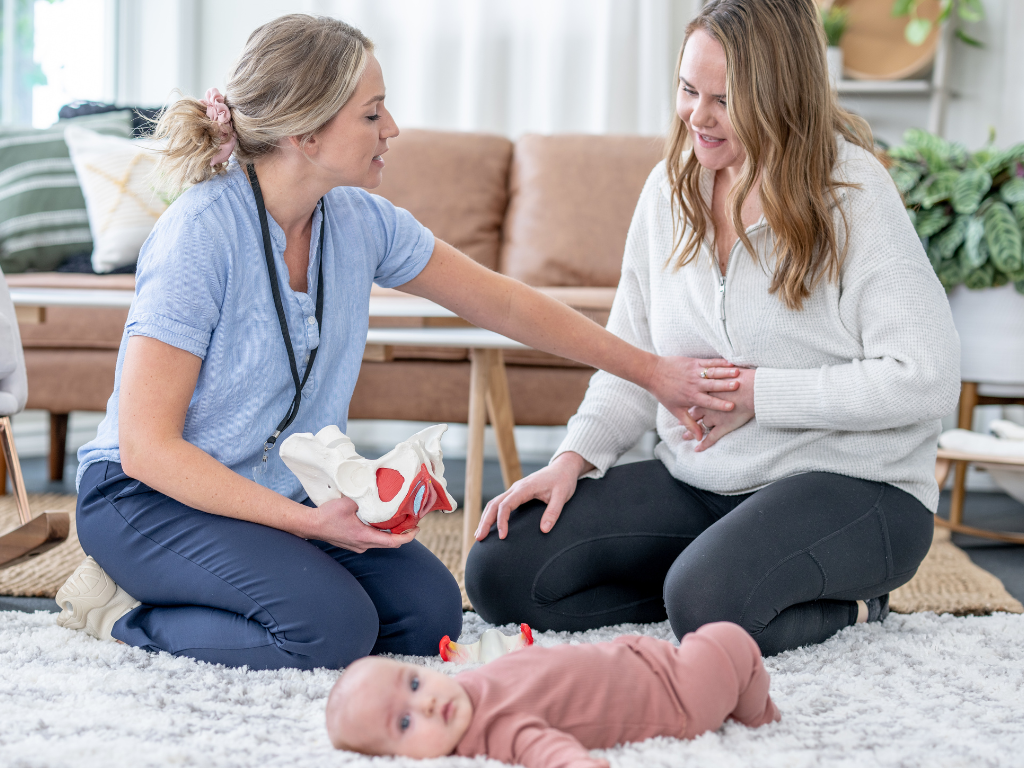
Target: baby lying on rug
x,y
546,707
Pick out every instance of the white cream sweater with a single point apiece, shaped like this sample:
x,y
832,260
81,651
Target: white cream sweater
x,y
854,383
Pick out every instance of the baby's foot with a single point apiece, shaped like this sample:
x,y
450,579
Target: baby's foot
x,y
90,600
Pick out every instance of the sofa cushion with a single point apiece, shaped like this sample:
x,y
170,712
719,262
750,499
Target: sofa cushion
x,y
437,391
572,198
456,184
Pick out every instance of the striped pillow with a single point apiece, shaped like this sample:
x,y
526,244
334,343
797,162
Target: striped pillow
x,y
42,210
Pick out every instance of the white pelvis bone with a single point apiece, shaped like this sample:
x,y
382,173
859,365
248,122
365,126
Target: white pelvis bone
x,y
491,645
392,492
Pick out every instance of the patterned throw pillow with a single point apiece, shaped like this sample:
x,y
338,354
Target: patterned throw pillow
x,y
42,211
117,178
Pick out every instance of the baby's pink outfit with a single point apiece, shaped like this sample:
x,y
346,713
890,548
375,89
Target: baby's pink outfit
x,y
546,707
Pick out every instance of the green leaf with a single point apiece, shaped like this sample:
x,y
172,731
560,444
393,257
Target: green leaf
x,y
940,188
1012,191
913,217
902,7
917,31
1019,285
931,221
980,278
971,10
973,257
950,274
1018,213
1003,238
974,234
905,176
969,190
963,37
952,237
997,162
904,152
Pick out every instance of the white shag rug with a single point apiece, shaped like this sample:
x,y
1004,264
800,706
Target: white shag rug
x,y
918,690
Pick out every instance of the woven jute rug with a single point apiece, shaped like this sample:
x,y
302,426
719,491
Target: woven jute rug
x,y
947,581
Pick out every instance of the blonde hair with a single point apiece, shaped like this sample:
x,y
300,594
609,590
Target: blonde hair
x,y
786,116
295,73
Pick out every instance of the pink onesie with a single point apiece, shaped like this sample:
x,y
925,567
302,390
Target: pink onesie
x,y
546,707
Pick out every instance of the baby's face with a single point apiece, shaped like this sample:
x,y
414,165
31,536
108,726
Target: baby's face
x,y
384,707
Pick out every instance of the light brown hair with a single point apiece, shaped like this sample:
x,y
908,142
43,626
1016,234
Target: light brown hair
x,y
786,116
295,73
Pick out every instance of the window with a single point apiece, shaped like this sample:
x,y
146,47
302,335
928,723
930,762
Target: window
x,y
54,52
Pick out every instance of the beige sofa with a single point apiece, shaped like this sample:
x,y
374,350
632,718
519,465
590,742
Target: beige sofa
x,y
551,211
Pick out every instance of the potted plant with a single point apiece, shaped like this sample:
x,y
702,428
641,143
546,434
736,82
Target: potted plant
x,y
835,20
968,210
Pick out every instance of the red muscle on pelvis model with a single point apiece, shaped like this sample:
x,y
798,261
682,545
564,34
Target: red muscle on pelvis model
x,y
393,492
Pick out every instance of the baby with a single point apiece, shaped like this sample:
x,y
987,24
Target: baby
x,y
546,707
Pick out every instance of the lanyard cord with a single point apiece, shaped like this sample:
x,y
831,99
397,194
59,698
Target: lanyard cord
x,y
293,409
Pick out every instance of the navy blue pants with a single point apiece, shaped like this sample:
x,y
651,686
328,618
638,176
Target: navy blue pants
x,y
237,593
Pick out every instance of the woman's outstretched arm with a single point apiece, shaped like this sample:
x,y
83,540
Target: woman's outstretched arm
x,y
513,309
157,382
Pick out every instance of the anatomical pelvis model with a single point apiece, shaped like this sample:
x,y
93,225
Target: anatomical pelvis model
x,y
392,492
490,646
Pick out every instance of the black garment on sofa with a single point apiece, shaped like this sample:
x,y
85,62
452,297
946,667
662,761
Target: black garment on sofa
x,y
142,117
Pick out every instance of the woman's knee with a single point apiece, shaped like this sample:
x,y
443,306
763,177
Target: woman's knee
x,y
695,596
340,631
495,580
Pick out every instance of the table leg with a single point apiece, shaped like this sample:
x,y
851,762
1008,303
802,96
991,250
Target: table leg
x,y
499,408
480,373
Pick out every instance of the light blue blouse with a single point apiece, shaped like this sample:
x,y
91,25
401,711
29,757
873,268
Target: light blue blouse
x,y
202,286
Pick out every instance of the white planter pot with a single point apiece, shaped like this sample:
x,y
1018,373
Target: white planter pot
x,y
834,58
991,327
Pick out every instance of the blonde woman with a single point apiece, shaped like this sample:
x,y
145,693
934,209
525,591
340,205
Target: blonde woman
x,y
248,324
770,236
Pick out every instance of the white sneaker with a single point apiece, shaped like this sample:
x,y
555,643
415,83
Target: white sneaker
x,y
90,600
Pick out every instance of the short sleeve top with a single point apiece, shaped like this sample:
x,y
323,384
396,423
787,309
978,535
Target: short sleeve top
x,y
202,286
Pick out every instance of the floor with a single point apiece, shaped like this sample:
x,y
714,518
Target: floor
x,y
987,510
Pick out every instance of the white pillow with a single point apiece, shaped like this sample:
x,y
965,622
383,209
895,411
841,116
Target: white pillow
x,y
116,176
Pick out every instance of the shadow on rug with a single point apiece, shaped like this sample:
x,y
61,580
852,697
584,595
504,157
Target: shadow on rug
x,y
947,581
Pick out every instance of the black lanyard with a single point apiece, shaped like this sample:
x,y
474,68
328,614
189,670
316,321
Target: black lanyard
x,y
293,409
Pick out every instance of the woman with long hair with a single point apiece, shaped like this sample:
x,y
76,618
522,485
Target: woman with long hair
x,y
770,236
248,324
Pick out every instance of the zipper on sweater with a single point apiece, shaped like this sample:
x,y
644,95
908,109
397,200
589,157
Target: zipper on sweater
x,y
720,297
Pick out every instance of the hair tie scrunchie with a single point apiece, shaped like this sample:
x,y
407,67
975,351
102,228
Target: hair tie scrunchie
x,y
219,113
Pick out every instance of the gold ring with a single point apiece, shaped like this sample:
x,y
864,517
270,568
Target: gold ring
x,y
704,373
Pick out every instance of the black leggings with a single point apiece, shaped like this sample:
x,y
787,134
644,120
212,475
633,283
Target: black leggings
x,y
785,563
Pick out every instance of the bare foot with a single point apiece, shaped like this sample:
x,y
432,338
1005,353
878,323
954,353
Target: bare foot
x,y
862,612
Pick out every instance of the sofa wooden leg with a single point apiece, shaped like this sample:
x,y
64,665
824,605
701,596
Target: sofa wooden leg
x,y
3,474
58,444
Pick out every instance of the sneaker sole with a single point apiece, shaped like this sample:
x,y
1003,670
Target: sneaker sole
x,y
88,587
